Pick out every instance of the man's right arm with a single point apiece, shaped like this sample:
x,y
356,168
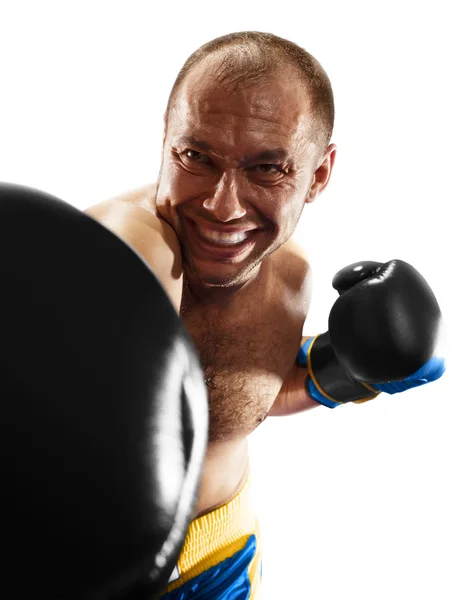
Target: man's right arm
x,y
152,238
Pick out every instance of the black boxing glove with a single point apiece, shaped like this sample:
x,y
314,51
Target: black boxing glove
x,y
383,334
103,410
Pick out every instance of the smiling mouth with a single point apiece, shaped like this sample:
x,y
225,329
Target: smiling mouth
x,y
221,238
222,244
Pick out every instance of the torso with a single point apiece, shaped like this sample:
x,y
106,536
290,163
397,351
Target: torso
x,y
247,347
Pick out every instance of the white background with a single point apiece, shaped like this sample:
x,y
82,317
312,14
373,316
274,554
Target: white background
x,y
353,502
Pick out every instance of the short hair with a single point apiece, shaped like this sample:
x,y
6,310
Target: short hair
x,y
248,57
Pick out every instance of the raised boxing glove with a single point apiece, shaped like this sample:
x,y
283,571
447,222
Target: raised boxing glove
x,y
383,334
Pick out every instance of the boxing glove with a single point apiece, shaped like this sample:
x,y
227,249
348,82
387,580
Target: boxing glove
x,y
104,410
383,332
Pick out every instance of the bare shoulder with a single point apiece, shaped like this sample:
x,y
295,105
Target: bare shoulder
x,y
133,211
142,197
139,203
291,274
291,262
292,248
130,216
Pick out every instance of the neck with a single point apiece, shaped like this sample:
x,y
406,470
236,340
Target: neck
x,y
197,293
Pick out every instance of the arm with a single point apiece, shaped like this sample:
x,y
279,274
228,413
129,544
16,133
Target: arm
x,y
293,397
383,336
152,238
295,277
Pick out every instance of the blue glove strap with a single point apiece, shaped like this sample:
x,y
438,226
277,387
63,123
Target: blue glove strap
x,y
431,370
311,388
302,356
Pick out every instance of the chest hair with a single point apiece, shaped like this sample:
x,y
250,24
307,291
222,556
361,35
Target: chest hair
x,y
246,351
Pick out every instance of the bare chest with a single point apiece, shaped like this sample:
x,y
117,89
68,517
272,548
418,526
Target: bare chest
x,y
246,350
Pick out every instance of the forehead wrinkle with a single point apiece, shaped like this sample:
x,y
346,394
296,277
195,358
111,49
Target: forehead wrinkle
x,y
199,97
203,104
277,151
232,133
221,122
228,120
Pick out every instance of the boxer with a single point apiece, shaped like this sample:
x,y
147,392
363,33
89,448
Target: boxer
x,y
246,146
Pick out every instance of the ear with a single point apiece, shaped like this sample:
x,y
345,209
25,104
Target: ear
x,y
166,117
322,174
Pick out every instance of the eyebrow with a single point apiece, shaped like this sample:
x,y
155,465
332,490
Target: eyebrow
x,y
276,154
188,140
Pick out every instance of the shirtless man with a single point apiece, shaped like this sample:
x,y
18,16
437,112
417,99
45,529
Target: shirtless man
x,y
246,146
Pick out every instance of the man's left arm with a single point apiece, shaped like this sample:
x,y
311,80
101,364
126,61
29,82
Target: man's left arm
x,y
384,334
293,396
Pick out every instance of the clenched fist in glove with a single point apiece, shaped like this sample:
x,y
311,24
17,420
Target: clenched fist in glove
x,y
382,337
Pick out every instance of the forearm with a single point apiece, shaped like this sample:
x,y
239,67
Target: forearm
x,y
293,397
284,406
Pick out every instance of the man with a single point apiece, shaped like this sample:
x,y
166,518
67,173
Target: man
x,y
246,146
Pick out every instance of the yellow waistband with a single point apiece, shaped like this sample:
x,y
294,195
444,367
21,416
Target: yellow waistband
x,y
219,533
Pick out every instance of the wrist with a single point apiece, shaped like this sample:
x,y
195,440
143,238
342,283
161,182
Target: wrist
x,y
328,382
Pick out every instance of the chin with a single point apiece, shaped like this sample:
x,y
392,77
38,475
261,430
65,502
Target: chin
x,y
220,272
222,275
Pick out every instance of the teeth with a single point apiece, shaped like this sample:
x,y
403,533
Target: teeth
x,y
223,238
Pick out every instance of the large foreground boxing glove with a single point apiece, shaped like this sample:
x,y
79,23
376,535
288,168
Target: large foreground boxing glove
x,y
103,410
383,334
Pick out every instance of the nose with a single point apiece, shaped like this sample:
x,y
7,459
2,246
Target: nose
x,y
225,203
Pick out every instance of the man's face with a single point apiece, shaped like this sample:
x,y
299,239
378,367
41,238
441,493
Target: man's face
x,y
236,172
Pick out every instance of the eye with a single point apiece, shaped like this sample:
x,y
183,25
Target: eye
x,y
195,156
267,168
271,171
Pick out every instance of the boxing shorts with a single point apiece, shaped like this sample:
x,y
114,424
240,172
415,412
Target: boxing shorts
x,y
221,555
